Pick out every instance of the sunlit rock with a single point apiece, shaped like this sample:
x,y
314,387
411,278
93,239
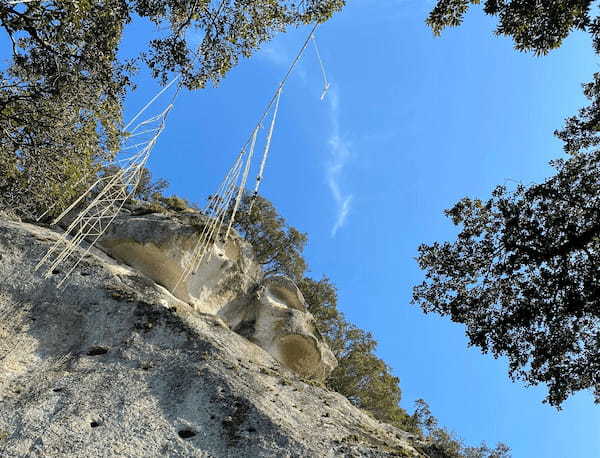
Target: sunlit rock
x,y
270,312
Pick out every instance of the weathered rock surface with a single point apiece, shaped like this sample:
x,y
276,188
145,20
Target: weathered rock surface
x,y
161,246
276,319
115,365
229,284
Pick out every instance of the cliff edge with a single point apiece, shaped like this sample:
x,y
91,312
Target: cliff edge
x,y
116,365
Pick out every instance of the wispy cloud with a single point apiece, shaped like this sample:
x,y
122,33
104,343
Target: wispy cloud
x,y
339,147
277,54
339,150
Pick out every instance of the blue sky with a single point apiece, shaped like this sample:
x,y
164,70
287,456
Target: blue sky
x,y
411,124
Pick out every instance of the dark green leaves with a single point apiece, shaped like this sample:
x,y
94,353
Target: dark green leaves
x,y
523,275
61,93
534,25
277,246
227,30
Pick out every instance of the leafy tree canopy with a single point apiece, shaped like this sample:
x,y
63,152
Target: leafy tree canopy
x,y
534,25
443,444
60,96
277,246
364,378
61,91
523,274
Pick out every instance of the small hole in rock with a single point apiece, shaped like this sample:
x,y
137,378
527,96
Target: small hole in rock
x,y
55,271
212,417
94,424
251,429
186,433
95,351
57,390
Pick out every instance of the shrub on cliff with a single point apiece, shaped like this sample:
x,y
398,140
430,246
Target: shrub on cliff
x,y
361,376
441,443
277,246
365,379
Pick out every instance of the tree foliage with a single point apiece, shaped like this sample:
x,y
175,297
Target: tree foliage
x,y
148,189
534,25
364,378
60,96
581,132
523,274
277,246
441,443
62,90
230,29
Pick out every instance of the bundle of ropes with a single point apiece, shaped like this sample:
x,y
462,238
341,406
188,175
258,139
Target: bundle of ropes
x,y
105,197
103,200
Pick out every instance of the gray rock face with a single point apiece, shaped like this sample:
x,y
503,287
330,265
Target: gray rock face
x,y
228,284
277,321
161,246
115,365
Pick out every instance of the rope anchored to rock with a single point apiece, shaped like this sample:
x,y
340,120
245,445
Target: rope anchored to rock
x,y
104,199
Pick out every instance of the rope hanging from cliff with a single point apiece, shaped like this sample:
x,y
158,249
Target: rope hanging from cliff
x,y
220,205
263,162
243,182
108,193
231,186
215,212
326,84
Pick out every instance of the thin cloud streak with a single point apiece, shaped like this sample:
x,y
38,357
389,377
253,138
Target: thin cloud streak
x,y
339,147
276,54
339,150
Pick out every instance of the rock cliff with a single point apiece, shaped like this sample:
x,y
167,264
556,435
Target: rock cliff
x,y
121,363
228,284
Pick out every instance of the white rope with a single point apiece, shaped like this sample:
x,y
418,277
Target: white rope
x,y
261,171
145,107
98,215
109,193
220,203
326,84
243,183
216,210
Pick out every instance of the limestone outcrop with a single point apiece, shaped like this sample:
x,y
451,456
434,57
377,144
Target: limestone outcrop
x,y
277,321
160,245
229,284
116,366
